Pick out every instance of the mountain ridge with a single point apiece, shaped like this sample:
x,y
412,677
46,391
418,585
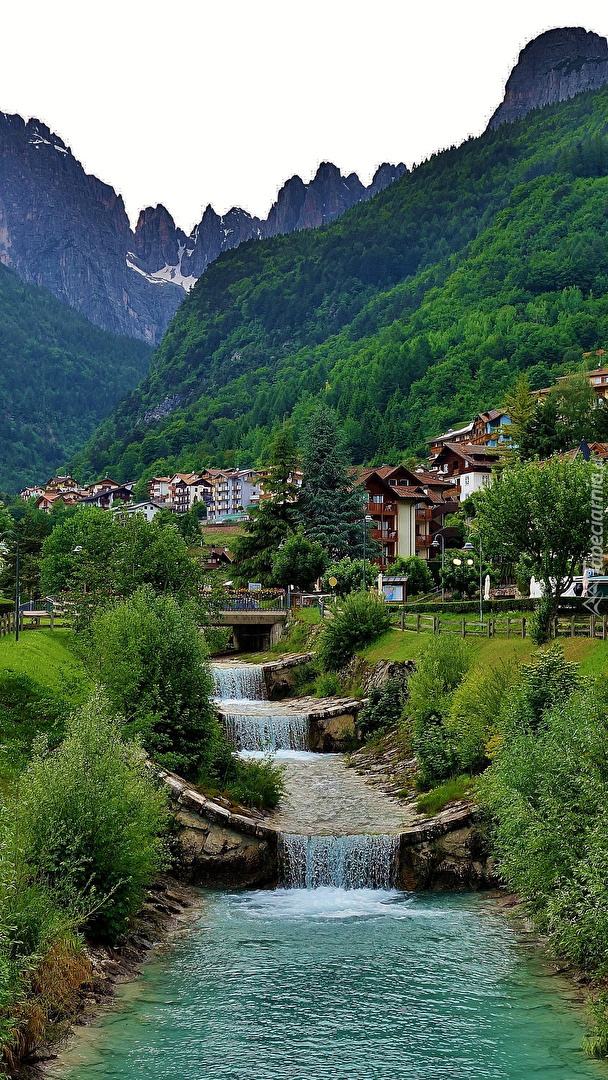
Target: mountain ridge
x,y
68,231
342,311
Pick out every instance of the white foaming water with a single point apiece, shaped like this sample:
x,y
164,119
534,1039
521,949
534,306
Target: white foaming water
x,y
279,756
340,862
267,731
243,682
323,903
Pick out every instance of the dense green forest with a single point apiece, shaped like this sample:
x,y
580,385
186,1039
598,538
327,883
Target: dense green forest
x,y
59,376
409,313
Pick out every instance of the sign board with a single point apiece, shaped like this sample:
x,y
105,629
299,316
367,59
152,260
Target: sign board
x,y
333,582
393,594
254,586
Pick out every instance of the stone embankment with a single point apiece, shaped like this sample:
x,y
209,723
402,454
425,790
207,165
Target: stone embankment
x,y
448,851
217,846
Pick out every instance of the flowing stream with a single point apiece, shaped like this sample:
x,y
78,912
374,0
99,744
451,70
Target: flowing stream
x,y
336,975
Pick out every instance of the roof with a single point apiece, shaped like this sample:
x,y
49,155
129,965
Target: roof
x,y
476,453
409,492
431,477
452,431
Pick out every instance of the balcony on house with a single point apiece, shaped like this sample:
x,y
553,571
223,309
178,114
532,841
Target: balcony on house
x,y
381,507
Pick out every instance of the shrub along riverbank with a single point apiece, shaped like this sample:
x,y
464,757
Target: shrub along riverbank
x,y
83,817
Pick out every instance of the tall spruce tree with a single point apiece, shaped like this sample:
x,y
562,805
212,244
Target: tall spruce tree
x,y
331,509
274,519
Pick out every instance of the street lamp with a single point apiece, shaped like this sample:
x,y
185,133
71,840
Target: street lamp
x,y
435,544
13,532
367,518
469,547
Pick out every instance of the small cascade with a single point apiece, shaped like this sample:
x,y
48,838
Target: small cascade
x,y
342,862
249,731
239,683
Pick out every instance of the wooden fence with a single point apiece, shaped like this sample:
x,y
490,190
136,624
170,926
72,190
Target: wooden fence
x,y
589,626
28,620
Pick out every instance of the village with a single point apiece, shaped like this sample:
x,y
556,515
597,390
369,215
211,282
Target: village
x,y
409,511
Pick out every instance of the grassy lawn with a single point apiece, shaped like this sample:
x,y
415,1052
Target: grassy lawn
x,y
397,645
220,536
45,655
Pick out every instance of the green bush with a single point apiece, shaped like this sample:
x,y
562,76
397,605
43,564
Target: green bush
x,y
249,781
473,712
547,791
149,655
258,783
328,685
420,579
383,709
438,672
362,618
470,607
90,818
349,575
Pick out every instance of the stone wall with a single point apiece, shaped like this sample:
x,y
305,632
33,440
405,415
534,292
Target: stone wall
x,y
447,852
214,847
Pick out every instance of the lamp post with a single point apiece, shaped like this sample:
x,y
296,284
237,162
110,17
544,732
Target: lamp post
x,y
367,518
469,547
435,544
13,532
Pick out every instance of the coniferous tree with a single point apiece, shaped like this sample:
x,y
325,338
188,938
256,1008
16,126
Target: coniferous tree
x,y
274,519
520,405
331,508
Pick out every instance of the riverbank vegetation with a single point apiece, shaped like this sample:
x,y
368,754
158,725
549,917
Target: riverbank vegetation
x,y
86,712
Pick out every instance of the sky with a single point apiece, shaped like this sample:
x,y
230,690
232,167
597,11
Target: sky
x,y
220,101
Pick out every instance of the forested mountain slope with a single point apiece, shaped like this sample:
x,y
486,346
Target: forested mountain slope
x,y
408,313
59,375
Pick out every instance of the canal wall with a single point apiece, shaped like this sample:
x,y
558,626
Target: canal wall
x,y
215,847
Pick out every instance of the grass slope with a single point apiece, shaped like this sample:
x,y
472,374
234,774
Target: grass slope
x,y
46,656
592,656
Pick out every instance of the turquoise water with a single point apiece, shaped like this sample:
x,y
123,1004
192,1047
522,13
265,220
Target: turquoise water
x,y
348,985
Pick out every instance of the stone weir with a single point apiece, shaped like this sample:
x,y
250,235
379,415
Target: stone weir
x,y
217,846
246,696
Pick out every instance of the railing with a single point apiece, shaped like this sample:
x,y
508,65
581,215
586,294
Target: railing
x,y
7,624
250,603
592,626
384,534
433,624
381,508
424,541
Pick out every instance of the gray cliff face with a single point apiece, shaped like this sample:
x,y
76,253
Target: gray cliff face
x,y
553,67
164,252
68,231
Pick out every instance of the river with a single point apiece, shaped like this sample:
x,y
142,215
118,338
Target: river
x,y
337,974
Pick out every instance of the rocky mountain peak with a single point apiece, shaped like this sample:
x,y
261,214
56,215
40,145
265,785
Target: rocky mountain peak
x,y
553,67
69,231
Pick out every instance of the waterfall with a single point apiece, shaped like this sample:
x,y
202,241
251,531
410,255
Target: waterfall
x,y
239,683
344,862
271,731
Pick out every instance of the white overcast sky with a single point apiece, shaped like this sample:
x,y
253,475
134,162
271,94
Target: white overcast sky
x,y
220,101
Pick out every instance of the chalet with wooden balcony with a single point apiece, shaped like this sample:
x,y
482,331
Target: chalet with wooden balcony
x,y
484,430
407,508
467,466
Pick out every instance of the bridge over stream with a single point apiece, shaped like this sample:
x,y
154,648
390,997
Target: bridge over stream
x,y
255,628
